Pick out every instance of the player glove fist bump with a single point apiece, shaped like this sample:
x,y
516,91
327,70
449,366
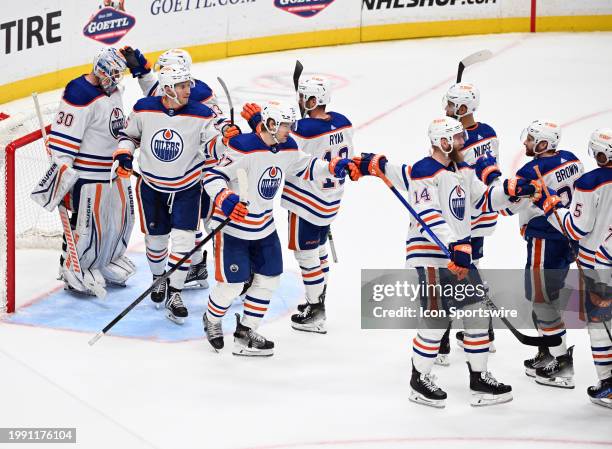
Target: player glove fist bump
x,y
521,187
371,164
135,61
124,160
461,258
548,203
487,169
231,206
340,166
251,112
229,131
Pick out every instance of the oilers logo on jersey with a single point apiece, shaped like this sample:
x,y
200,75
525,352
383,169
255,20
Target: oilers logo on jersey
x,y
167,145
456,202
269,182
116,122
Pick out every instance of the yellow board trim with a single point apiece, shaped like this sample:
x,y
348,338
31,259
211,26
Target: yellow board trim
x,y
58,79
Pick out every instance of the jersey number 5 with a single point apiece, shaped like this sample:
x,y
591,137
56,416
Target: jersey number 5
x,y
330,183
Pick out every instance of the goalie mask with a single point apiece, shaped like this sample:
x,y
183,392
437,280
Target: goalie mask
x,y
109,66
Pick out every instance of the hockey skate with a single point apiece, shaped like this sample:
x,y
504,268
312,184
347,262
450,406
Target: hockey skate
x,y
559,372
486,390
176,310
249,343
601,394
541,359
311,319
160,293
442,358
197,277
301,307
425,391
492,349
214,333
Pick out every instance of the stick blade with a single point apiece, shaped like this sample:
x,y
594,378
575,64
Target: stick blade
x,y
297,72
95,338
479,56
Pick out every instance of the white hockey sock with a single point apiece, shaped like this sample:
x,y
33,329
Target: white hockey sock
x,y
258,298
197,257
601,348
182,243
312,274
550,323
425,347
323,261
476,347
157,252
220,299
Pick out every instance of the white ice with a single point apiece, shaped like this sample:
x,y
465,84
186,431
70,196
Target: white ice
x,y
349,388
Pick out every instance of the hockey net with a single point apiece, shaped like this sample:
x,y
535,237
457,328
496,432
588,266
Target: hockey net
x,y
23,223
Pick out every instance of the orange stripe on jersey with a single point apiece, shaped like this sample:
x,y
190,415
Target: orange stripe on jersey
x,y
195,174
537,261
251,306
176,258
97,164
313,274
310,202
64,143
582,255
218,260
140,211
485,218
428,247
292,231
427,348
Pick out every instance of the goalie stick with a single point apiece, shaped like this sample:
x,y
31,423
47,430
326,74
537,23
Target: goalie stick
x,y
528,340
242,186
71,252
472,59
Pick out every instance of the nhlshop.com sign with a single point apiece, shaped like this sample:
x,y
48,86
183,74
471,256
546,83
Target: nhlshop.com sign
x,y
397,4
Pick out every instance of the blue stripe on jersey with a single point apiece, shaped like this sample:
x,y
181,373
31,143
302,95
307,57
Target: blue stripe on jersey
x,y
242,228
210,179
303,206
605,253
307,193
576,228
65,136
476,351
588,251
404,177
94,156
174,178
267,211
152,90
61,150
484,225
426,255
94,170
424,354
217,172
426,211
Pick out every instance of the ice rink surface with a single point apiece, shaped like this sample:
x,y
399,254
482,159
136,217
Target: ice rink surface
x,y
349,388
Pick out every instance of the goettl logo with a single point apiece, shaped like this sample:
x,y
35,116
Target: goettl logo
x,y
166,145
109,24
303,8
270,182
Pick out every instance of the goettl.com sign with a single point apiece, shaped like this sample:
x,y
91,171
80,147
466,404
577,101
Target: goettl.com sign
x,y
303,8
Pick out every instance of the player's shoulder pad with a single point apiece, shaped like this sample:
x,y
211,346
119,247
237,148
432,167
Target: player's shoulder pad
x,y
197,109
486,130
527,171
80,92
309,128
200,91
594,179
426,168
246,143
567,156
289,145
149,104
464,166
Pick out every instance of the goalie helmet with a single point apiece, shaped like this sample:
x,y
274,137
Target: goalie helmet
x,y
315,86
542,131
280,112
170,76
462,94
444,128
601,142
109,66
173,56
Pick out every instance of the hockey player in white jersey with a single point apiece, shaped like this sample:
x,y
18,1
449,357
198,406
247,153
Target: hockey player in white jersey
x,y
461,102
588,221
444,191
203,93
252,246
84,136
313,205
548,254
171,132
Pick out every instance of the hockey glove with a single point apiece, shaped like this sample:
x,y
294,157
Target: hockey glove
x,y
461,258
487,169
371,164
231,206
229,131
341,166
251,112
521,187
548,203
124,158
136,61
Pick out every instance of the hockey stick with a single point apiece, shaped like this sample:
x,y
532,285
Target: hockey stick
x,y
525,339
159,280
474,58
71,253
568,239
229,98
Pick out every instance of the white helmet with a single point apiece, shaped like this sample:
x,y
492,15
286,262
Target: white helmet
x,y
601,142
315,86
171,75
444,128
109,65
542,131
280,112
462,94
173,56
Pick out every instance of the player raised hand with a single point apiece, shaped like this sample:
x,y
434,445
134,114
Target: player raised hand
x,y
340,166
251,112
229,131
231,206
124,158
135,61
461,258
487,169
